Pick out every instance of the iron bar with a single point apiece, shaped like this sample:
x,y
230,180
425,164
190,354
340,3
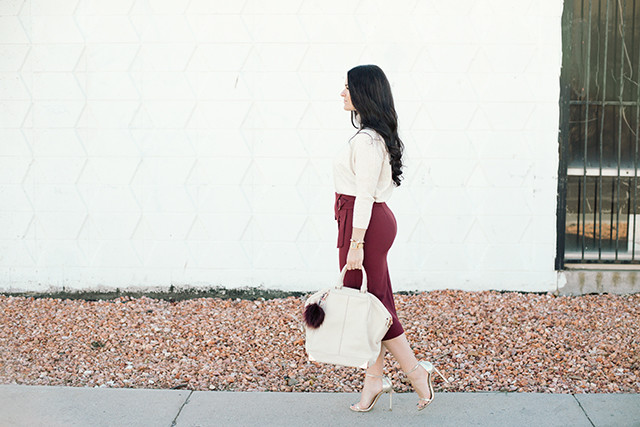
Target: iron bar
x,y
579,232
586,126
602,115
637,132
613,192
597,238
620,10
604,103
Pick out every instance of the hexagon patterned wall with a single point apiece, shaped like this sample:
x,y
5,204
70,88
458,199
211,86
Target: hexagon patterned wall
x,y
149,143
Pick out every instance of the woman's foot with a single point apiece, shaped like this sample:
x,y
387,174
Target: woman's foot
x,y
374,386
420,379
371,388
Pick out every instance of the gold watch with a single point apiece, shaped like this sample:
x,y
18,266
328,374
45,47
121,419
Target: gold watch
x,y
357,244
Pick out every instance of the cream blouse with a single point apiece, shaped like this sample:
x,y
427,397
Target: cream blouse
x,y
362,169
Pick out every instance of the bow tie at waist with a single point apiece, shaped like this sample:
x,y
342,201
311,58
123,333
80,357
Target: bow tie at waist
x,y
343,213
343,202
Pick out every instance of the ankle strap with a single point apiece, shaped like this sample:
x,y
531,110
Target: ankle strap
x,y
375,376
414,368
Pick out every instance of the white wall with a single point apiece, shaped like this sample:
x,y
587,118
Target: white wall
x,y
149,143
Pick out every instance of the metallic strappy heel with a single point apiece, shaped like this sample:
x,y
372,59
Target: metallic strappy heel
x,y
387,387
428,366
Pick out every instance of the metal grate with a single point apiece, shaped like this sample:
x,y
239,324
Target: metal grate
x,y
598,193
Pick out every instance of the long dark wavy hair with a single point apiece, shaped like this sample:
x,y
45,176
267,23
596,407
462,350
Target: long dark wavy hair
x,y
371,96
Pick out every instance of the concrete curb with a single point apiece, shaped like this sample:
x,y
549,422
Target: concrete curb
x,y
78,406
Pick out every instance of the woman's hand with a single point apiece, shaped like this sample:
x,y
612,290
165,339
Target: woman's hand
x,y
355,258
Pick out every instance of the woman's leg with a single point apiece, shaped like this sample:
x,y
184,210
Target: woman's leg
x,y
372,384
401,350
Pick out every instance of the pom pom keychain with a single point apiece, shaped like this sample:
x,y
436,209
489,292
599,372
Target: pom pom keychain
x,y
314,314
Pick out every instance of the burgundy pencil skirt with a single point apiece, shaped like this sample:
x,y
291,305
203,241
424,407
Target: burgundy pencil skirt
x,y
378,240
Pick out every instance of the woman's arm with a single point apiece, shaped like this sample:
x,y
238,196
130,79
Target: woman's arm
x,y
367,164
367,159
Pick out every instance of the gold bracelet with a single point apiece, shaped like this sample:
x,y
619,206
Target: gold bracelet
x,y
357,244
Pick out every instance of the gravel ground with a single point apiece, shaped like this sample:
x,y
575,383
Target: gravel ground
x,y
482,341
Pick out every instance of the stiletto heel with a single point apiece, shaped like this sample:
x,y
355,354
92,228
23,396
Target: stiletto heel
x,y
427,366
387,387
441,376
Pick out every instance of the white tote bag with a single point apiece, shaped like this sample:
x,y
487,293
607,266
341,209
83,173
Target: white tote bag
x,y
355,321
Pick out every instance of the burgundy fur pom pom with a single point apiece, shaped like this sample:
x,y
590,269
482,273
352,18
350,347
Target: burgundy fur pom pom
x,y
313,315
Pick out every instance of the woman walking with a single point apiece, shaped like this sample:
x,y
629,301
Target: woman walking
x,y
365,173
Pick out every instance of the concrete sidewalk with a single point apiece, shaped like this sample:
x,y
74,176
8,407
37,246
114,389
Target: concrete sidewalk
x,y
75,406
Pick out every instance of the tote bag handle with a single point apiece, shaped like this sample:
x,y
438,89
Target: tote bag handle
x,y
363,287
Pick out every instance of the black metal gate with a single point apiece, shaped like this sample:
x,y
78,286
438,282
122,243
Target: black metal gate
x,y
598,190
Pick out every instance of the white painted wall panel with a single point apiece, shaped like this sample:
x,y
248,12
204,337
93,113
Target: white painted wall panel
x,y
156,143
